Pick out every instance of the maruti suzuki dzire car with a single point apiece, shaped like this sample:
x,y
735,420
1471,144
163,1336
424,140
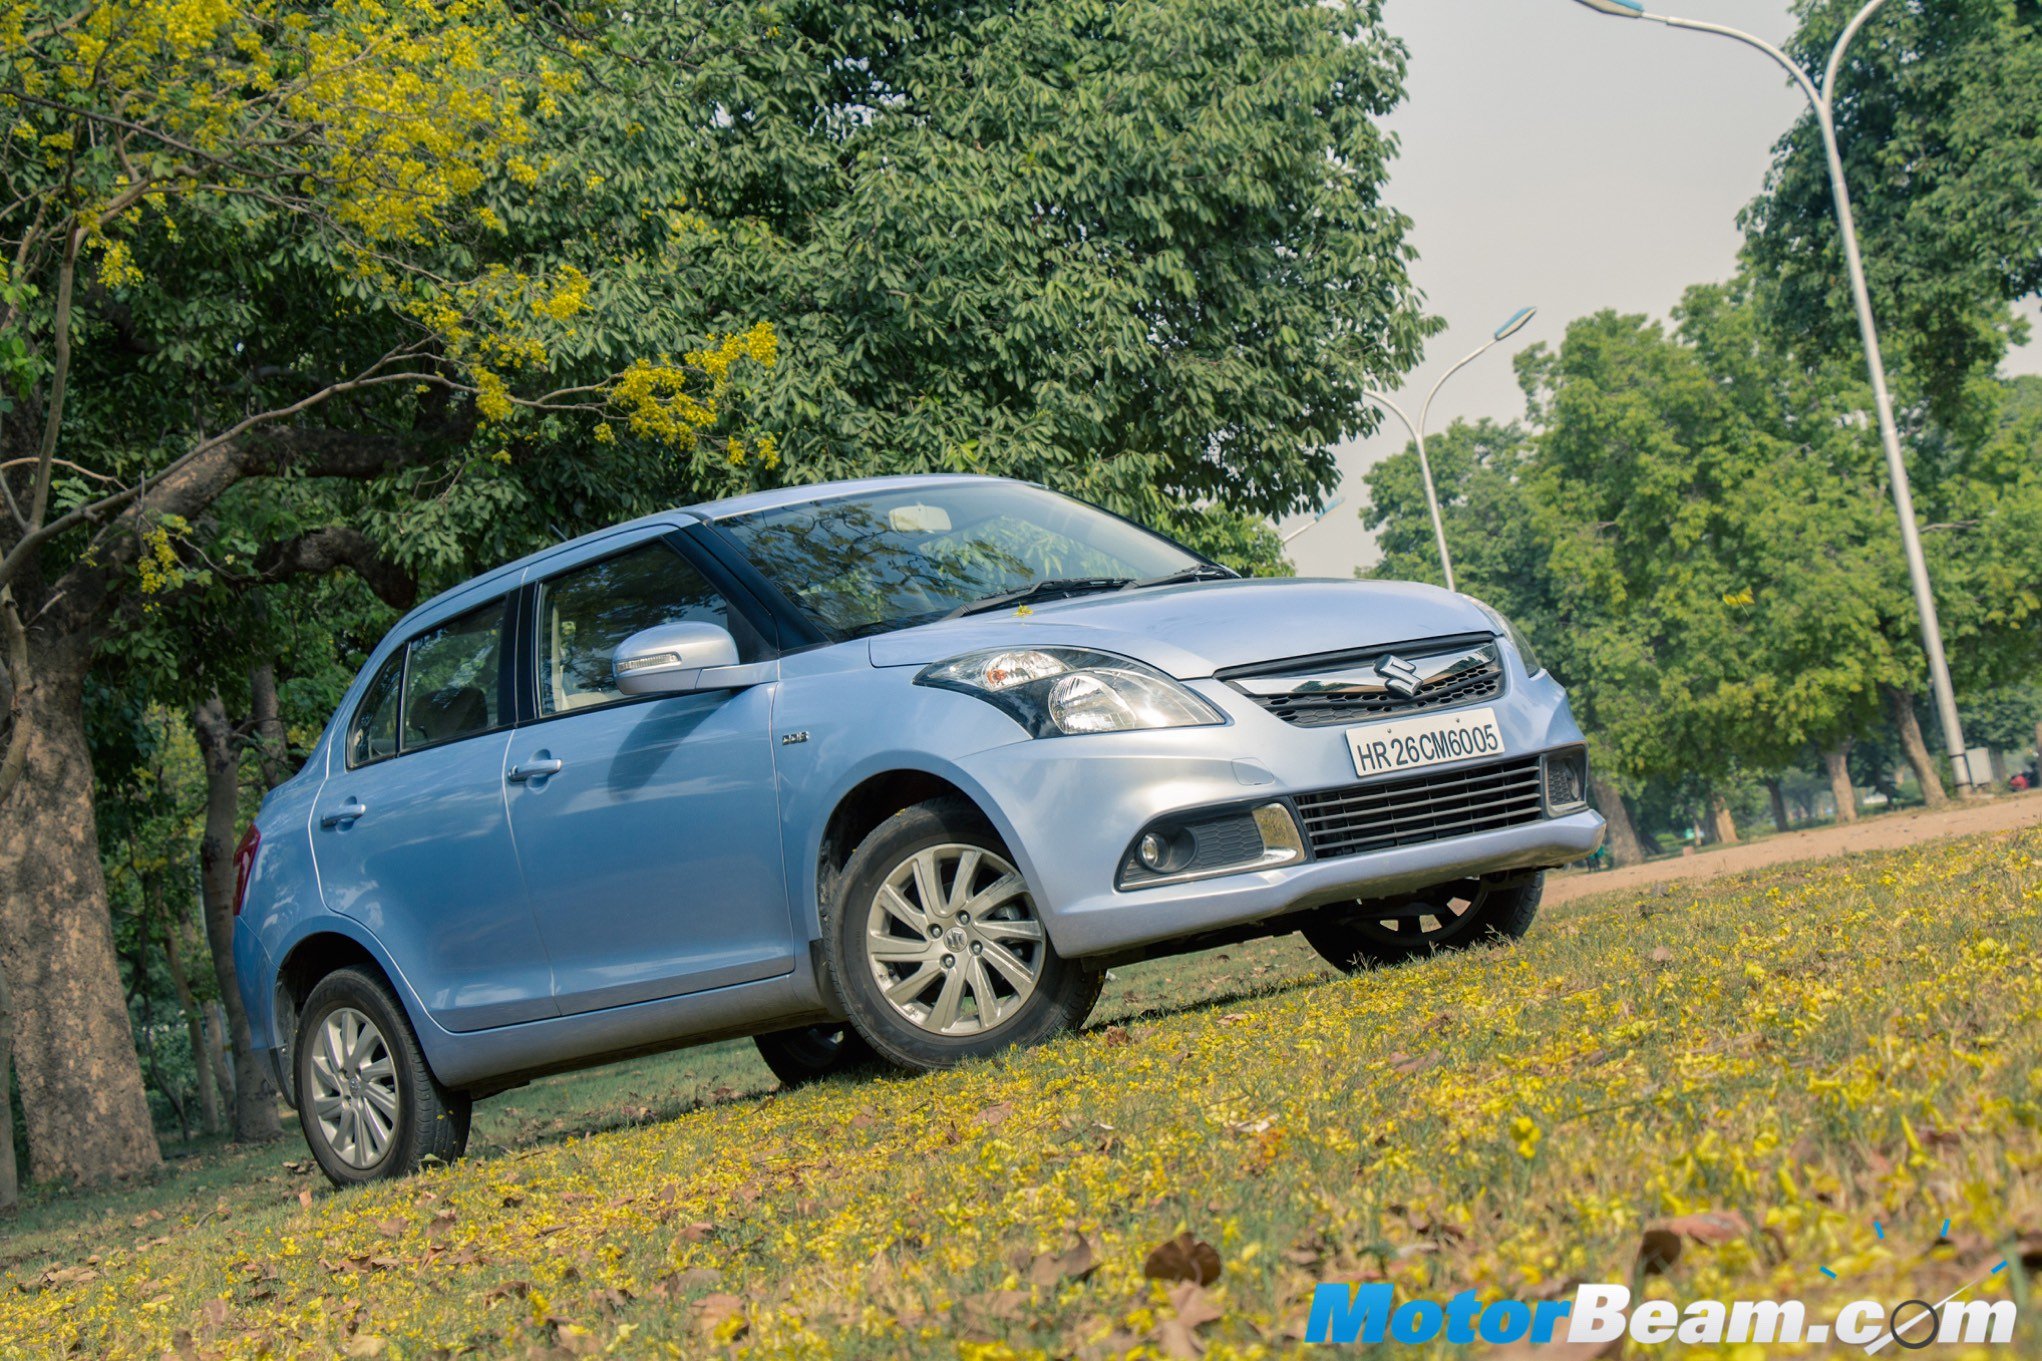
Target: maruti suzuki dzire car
x,y
890,769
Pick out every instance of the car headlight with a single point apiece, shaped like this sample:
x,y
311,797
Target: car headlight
x,y
1055,691
1510,631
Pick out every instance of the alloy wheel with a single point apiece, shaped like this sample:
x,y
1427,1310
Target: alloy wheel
x,y
1442,914
354,1087
953,940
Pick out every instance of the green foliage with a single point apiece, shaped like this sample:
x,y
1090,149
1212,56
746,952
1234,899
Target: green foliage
x,y
1698,537
1937,116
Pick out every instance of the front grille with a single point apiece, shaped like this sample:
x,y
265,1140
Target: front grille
x,y
1328,696
1421,808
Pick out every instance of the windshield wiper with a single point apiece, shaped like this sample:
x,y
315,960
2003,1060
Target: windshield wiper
x,y
1053,588
1204,571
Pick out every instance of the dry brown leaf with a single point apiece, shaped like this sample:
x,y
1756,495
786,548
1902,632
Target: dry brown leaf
x,y
996,1114
1662,955
1114,1035
712,1310
1074,1263
1183,1258
365,1344
1659,1247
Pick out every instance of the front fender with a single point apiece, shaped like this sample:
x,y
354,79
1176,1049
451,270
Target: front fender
x,y
842,722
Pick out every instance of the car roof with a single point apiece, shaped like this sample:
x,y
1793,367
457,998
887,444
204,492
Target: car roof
x,y
774,499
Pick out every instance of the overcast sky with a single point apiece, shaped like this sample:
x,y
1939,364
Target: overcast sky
x,y
1555,158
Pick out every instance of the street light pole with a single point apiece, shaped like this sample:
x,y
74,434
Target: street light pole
x,y
1504,332
1324,511
1822,100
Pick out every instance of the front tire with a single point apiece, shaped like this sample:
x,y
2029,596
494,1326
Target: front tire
x,y
1449,916
369,1106
936,947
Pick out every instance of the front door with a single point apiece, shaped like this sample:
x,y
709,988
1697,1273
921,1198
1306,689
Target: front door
x,y
648,828
410,834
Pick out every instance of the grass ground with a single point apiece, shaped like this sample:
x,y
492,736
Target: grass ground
x,y
1809,1048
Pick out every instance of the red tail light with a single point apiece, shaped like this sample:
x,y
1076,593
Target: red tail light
x,y
244,864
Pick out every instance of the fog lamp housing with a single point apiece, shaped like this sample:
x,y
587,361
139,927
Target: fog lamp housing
x,y
1207,842
1566,781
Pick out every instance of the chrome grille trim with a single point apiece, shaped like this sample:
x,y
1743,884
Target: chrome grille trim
x,y
1323,693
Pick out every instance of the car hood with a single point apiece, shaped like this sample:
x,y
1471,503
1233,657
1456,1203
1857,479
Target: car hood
x,y
1193,630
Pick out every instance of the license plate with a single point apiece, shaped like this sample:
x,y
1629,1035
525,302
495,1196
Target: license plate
x,y
1409,743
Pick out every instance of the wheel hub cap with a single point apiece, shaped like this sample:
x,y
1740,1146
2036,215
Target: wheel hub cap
x,y
353,1092
953,941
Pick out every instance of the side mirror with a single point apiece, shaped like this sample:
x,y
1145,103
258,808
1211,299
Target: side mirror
x,y
671,658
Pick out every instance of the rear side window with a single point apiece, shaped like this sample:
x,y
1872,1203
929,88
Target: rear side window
x,y
584,614
374,734
443,685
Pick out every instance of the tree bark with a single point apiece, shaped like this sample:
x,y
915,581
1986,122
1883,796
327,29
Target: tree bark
x,y
255,1103
1624,846
1836,761
81,1082
10,1181
272,744
1900,705
195,1027
1779,798
219,1053
1722,826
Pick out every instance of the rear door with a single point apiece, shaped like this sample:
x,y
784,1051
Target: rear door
x,y
410,833
648,828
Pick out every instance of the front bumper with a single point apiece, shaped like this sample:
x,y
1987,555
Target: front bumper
x,y
1072,805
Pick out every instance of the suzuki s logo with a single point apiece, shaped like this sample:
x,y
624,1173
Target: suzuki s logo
x,y
1400,676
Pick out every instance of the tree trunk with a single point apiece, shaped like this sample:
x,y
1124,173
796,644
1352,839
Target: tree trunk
x,y
10,1182
255,1107
81,1082
1836,761
1901,705
219,1053
1624,847
195,1027
1779,798
272,744
1721,825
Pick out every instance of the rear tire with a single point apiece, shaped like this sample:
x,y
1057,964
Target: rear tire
x,y
369,1106
807,1054
1450,916
936,947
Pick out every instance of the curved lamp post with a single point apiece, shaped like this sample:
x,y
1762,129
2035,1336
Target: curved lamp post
x,y
1517,322
1324,511
1822,99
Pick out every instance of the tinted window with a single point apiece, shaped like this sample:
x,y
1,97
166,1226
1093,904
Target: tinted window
x,y
865,564
586,613
374,735
453,687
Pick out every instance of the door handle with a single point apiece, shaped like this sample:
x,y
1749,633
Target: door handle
x,y
345,814
535,770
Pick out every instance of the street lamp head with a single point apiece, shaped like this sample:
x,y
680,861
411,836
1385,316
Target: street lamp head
x,y
1622,9
1332,506
1518,319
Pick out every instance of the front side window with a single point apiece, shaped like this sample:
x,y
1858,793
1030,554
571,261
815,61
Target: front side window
x,y
584,614
860,565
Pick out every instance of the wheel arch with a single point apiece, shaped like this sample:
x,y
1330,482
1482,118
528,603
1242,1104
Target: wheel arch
x,y
322,949
876,796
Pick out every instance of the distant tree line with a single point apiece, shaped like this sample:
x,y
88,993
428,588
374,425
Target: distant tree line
x,y
1693,521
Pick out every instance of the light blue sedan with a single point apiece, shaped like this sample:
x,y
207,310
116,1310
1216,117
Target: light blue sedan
x,y
893,768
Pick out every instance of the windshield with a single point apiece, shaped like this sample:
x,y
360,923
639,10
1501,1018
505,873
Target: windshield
x,y
859,565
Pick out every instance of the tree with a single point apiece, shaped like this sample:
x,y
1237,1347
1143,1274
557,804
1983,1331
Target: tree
x,y
473,278
1936,117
